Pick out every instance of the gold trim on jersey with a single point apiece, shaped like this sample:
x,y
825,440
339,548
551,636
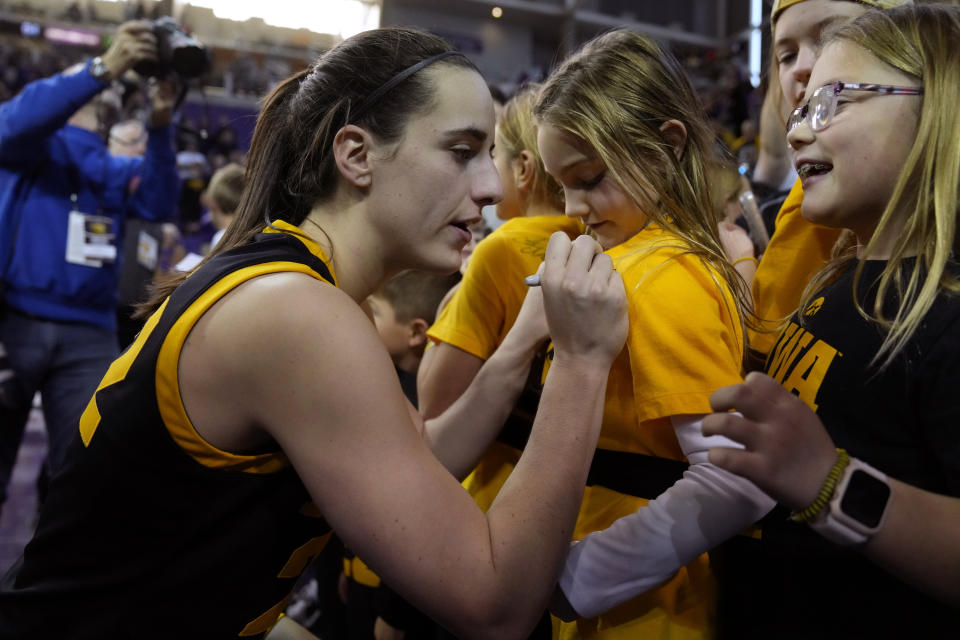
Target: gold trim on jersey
x,y
173,412
119,368
299,559
355,569
280,226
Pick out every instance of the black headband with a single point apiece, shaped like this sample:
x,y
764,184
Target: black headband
x,y
374,97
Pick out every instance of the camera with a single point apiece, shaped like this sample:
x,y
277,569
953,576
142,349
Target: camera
x,y
176,51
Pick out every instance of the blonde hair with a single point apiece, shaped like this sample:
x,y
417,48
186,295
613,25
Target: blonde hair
x,y
779,6
517,131
615,94
727,183
226,187
920,41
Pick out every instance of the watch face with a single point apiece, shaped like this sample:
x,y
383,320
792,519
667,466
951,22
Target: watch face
x,y
865,498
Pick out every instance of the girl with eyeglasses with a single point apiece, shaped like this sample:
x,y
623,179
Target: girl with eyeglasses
x,y
241,427
797,249
873,349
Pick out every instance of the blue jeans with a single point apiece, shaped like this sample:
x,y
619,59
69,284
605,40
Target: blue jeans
x,y
64,362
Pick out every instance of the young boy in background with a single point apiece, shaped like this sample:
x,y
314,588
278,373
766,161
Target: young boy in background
x,y
403,310
221,198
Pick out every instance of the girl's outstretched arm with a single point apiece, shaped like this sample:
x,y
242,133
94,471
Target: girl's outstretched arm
x,y
789,453
644,549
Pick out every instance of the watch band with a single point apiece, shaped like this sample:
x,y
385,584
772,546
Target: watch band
x,y
848,529
99,70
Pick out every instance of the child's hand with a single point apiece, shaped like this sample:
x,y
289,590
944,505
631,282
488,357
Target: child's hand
x,y
736,243
788,452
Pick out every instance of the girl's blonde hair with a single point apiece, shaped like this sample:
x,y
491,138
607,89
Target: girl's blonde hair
x,y
517,131
615,94
919,40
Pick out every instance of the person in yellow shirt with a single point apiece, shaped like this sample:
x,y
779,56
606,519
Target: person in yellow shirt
x,y
622,130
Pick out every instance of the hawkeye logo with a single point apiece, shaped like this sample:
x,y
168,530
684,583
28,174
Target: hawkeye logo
x,y
799,362
813,307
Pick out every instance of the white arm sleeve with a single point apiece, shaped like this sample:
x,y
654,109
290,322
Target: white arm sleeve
x,y
644,549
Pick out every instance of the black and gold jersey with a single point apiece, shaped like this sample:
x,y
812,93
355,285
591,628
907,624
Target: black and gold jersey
x,y
149,531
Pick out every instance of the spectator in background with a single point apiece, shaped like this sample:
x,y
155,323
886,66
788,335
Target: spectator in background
x,y
73,12
127,139
216,161
221,198
63,202
137,10
499,99
194,171
189,135
24,61
5,93
141,239
238,156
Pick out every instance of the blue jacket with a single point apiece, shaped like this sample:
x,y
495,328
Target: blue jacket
x,y
42,161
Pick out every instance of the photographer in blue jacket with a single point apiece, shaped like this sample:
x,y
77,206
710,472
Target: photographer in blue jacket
x,y
63,202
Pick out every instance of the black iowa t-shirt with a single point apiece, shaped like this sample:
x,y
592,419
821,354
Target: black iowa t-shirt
x,y
903,419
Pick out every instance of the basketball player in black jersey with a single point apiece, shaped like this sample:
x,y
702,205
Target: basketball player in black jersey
x,y
244,422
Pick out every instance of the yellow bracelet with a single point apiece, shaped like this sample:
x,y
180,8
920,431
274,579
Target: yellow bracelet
x,y
739,260
826,492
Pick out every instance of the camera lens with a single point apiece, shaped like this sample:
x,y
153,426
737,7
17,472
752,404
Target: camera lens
x,y
176,51
189,60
